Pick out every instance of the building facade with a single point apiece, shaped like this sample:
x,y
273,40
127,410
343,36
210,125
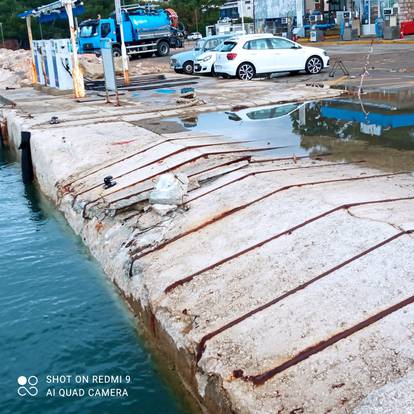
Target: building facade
x,y
232,9
368,11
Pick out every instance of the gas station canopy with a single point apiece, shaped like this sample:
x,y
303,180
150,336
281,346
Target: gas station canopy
x,y
54,11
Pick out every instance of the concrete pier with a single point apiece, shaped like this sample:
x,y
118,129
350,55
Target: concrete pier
x,y
280,285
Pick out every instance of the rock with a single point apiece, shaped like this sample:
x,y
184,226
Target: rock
x,y
92,67
169,189
14,68
163,209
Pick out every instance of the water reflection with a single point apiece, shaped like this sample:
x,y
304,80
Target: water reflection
x,y
34,202
344,119
379,130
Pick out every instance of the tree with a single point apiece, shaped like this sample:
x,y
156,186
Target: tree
x,y
196,14
15,27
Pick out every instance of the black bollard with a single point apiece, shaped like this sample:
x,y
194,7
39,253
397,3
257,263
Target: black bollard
x,y
27,165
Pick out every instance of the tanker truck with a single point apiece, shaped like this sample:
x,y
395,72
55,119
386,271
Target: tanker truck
x,y
147,30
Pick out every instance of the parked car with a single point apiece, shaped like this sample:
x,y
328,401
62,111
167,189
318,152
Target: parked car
x,y
184,62
251,55
194,36
204,63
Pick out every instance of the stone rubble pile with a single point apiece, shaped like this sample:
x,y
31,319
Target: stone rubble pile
x,y
14,68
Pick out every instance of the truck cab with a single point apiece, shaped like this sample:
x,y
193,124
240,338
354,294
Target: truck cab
x,y
92,31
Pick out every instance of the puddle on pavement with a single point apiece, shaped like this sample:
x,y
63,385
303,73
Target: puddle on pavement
x,y
166,91
379,131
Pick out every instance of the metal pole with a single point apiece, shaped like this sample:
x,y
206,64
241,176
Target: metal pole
x,y
77,76
254,16
242,16
34,78
124,52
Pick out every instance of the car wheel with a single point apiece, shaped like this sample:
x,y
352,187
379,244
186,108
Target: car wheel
x,y
116,52
188,67
314,65
246,71
163,48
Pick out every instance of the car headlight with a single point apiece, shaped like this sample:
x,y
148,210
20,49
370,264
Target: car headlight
x,y
206,59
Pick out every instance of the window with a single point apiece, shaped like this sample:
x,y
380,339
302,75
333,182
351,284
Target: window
x,y
105,29
211,44
257,44
281,44
88,30
227,46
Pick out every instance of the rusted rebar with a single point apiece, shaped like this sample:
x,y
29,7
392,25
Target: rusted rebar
x,y
158,160
202,345
189,278
238,208
252,173
195,158
260,379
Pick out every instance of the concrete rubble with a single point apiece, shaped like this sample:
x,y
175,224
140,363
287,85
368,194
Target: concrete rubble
x,y
14,68
277,285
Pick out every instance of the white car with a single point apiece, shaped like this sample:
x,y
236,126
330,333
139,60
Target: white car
x,y
194,36
204,64
251,55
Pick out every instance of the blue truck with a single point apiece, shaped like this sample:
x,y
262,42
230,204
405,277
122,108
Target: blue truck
x,y
147,30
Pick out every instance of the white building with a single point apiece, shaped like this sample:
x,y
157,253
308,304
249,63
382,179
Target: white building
x,y
232,9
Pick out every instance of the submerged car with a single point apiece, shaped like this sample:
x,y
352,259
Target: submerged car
x,y
252,55
183,62
266,113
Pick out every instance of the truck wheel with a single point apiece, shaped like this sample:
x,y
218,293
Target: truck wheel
x,y
116,52
163,48
188,67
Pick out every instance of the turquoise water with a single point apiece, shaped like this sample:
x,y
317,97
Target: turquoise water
x,y
60,316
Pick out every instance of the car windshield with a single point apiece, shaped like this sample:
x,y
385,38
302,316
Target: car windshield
x,y
227,46
88,30
199,45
